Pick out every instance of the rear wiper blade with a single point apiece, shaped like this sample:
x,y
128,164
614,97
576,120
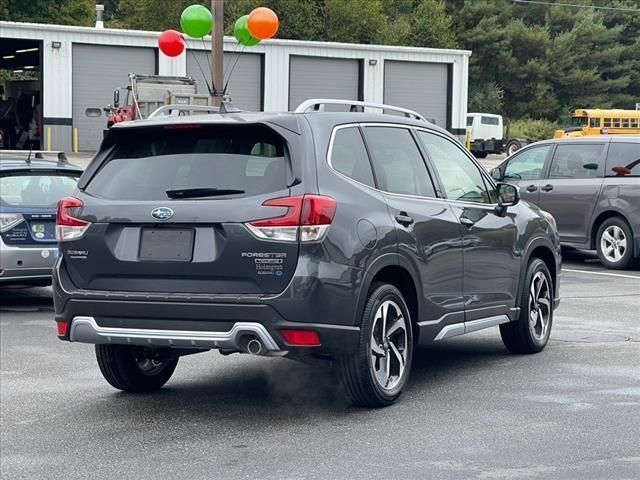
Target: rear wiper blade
x,y
202,192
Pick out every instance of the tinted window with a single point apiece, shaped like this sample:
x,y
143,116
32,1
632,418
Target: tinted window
x,y
527,165
349,156
469,121
28,190
623,160
489,121
145,164
397,161
461,178
576,161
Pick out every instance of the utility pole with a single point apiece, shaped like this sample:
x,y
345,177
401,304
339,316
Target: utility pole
x,y
217,48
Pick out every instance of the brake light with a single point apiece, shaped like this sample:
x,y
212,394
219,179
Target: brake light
x,y
307,219
69,227
301,338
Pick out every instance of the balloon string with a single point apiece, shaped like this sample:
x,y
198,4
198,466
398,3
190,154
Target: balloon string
x,y
232,69
231,58
204,46
195,57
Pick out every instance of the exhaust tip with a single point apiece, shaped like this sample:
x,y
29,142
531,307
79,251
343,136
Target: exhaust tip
x,y
254,347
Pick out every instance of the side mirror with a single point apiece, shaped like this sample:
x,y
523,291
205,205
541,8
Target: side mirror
x,y
496,174
116,98
508,195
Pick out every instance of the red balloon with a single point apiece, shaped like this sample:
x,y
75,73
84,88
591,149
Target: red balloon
x,y
262,23
171,43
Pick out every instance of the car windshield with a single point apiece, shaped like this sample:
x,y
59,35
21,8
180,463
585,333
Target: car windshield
x,y
35,190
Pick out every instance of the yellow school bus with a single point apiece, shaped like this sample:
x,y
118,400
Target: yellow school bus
x,y
588,121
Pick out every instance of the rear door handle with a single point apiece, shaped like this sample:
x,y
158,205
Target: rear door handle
x,y
403,219
547,188
467,221
532,188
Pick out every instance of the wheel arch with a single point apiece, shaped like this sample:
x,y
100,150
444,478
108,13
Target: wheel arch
x,y
544,250
396,271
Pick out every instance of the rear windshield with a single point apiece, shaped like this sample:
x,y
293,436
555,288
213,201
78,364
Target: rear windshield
x,y
145,164
35,189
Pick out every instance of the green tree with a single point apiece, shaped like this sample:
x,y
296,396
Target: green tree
x,y
65,12
431,26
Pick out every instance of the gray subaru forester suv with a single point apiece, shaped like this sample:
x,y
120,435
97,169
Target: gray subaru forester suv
x,y
591,185
345,237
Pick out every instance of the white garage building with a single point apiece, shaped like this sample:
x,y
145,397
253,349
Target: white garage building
x,y
80,67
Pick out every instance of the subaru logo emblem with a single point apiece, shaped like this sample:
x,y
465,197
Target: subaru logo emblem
x,y
162,213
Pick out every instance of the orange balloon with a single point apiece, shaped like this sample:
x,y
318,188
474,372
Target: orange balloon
x,y
263,23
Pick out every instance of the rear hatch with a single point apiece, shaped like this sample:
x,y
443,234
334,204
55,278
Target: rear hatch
x,y
168,207
28,199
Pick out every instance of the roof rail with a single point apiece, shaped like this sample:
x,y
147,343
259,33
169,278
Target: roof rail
x,y
175,109
317,105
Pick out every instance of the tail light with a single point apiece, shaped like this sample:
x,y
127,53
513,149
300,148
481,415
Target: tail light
x,y
62,327
301,338
307,219
69,227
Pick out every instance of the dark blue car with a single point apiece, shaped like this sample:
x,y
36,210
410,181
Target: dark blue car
x,y
30,187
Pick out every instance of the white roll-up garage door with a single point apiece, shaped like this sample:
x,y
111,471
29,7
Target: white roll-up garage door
x,y
98,70
320,77
422,87
245,85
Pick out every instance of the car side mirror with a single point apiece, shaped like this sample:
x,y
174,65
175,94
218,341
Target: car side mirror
x,y
116,98
508,195
496,174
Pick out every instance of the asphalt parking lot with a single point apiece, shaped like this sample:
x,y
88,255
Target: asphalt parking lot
x,y
472,410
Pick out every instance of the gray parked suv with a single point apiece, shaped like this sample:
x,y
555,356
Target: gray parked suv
x,y
591,185
347,237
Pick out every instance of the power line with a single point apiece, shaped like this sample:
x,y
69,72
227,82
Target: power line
x,y
595,7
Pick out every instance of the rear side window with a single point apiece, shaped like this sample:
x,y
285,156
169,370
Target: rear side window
x,y
576,161
469,121
623,160
35,190
527,165
147,163
397,162
349,156
489,121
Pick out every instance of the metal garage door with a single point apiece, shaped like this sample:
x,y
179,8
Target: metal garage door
x,y
245,85
422,87
97,71
318,77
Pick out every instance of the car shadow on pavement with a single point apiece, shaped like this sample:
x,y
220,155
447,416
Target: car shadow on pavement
x,y
283,393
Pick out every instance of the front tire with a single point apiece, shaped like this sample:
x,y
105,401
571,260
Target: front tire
x,y
530,333
132,369
614,243
513,146
377,373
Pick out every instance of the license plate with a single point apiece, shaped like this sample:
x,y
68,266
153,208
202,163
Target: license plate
x,y
166,245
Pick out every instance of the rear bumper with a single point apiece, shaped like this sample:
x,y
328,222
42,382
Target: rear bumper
x,y
26,264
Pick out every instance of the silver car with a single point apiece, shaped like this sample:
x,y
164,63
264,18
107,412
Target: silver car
x,y
30,187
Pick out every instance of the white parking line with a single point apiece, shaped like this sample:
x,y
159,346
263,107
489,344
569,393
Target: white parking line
x,y
601,273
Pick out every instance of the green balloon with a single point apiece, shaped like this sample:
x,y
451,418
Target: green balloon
x,y
196,21
241,32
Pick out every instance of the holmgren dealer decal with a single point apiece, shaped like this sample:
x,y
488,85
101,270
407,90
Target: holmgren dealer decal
x,y
267,263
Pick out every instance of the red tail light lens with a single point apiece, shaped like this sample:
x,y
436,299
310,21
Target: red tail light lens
x,y
307,218
301,338
62,327
69,227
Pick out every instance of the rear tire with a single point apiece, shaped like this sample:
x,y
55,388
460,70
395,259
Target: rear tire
x,y
377,373
127,368
614,243
530,333
481,154
513,146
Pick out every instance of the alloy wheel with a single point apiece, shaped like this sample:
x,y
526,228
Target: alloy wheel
x,y
613,243
539,306
388,343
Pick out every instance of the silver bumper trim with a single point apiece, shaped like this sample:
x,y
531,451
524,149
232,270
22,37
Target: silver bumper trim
x,y
86,330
